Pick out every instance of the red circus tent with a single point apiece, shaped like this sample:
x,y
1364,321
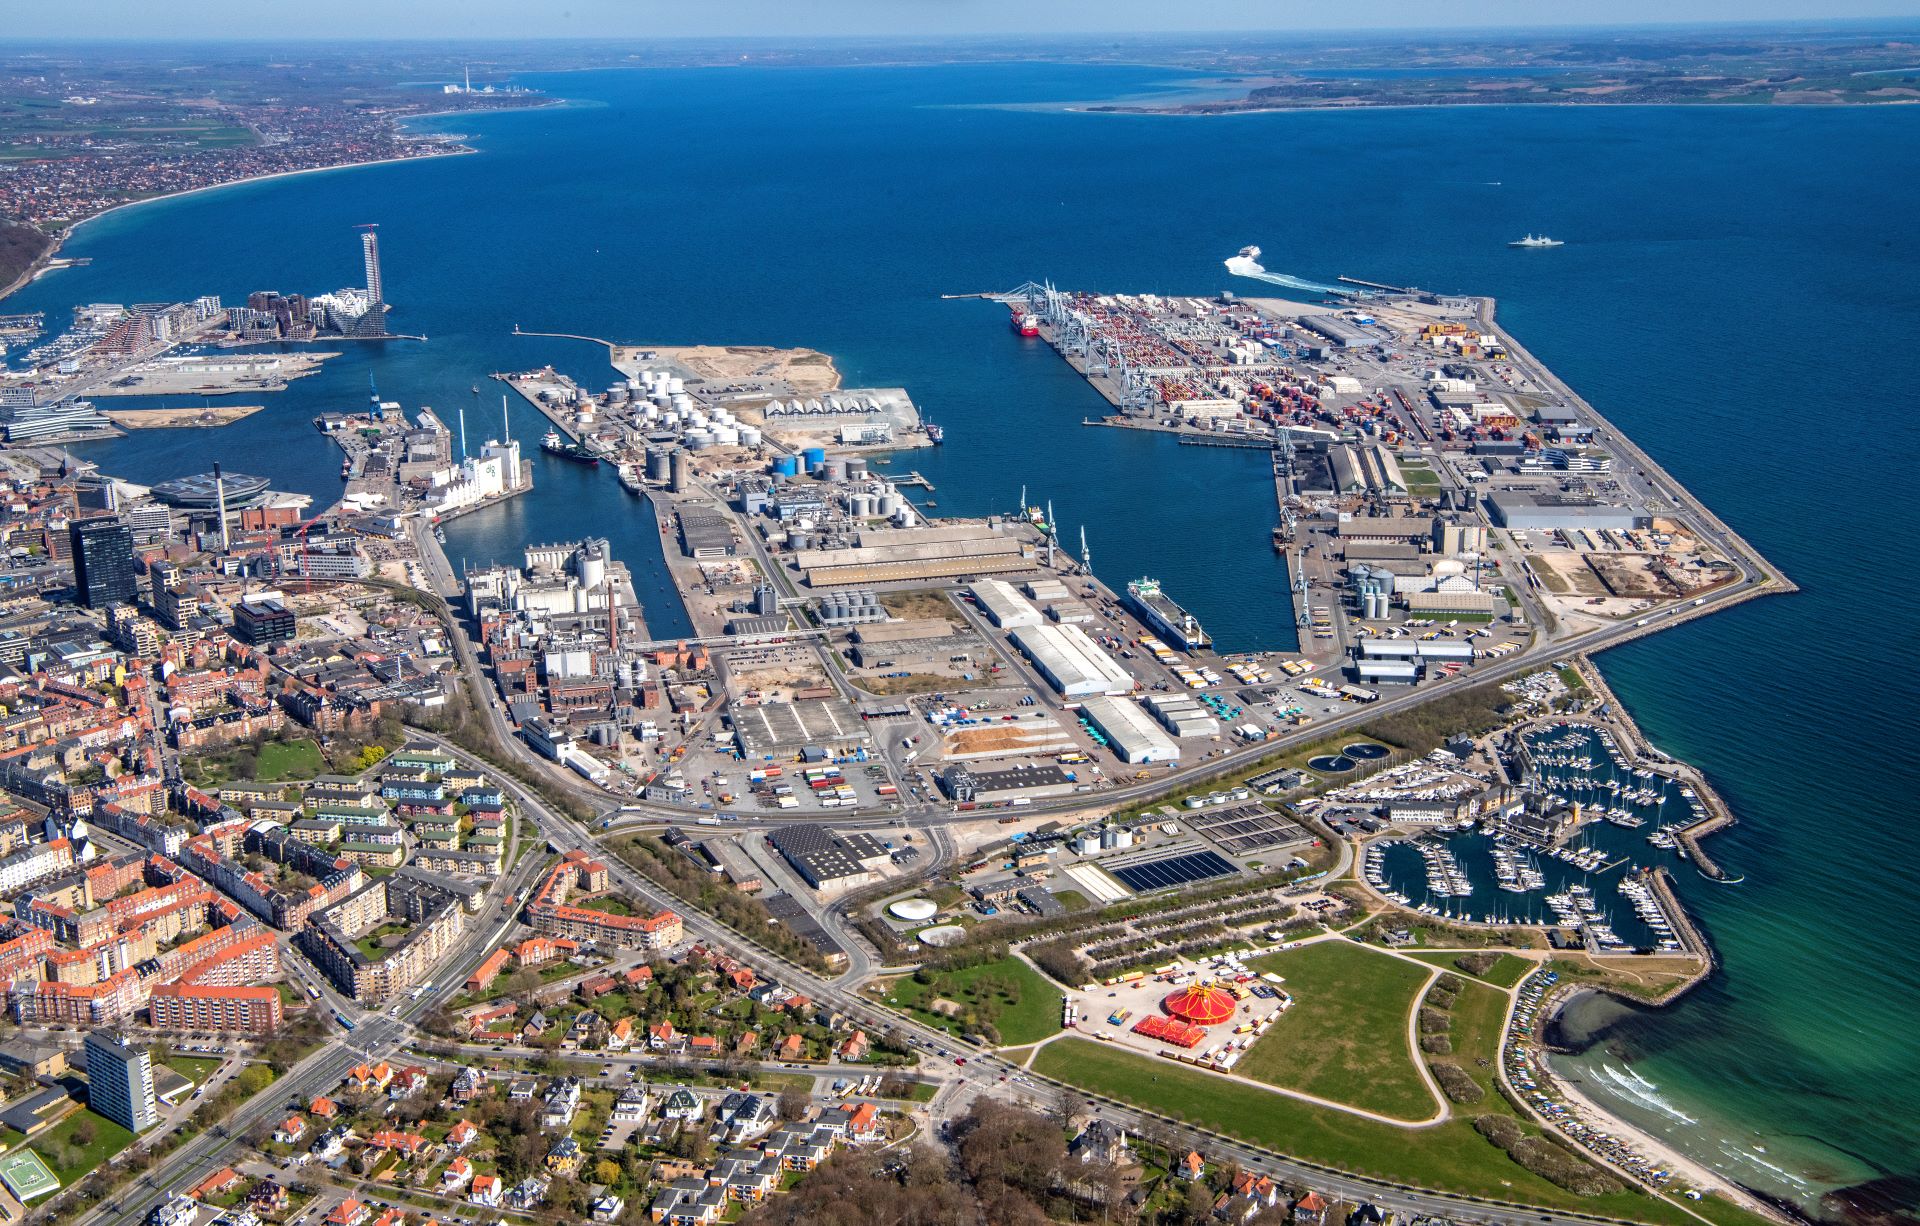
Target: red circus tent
x,y
1202,1004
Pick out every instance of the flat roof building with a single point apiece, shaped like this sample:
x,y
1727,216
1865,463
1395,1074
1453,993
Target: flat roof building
x,y
120,1080
826,860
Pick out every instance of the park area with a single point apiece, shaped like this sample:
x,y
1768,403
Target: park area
x,y
1005,999
1450,1156
1345,1039
78,1144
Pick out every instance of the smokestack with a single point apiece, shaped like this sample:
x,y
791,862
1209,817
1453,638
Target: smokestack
x,y
220,500
463,434
506,423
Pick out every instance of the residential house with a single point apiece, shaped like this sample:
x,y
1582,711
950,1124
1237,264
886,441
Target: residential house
x,y
458,1174
793,1047
1192,1166
529,1193
462,1134
661,1036
291,1130
349,1212
631,1106
1310,1210
855,1047
688,1202
486,1191
606,1208
620,1035
1102,1142
323,1108
564,1156
221,1182
682,1104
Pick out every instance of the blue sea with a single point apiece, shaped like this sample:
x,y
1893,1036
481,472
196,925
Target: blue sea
x,y
1740,289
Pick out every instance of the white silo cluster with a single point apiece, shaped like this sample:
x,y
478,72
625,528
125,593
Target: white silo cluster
x,y
877,500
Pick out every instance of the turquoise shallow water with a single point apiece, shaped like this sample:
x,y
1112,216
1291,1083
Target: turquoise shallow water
x,y
1738,290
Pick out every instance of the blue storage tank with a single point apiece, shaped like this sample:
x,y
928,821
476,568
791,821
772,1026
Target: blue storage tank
x,y
814,457
786,466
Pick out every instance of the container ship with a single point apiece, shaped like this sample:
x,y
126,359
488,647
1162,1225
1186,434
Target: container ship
x,y
1167,619
566,449
1025,322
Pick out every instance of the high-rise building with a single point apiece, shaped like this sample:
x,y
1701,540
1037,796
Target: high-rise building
x,y
370,251
102,561
120,1080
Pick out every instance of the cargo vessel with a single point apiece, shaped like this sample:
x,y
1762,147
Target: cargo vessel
x,y
936,433
567,449
1166,618
1025,322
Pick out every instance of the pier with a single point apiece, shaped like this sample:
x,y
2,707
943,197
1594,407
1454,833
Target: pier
x,y
561,424
564,336
1245,442
914,479
1391,289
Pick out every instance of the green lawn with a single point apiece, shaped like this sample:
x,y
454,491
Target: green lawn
x,y
1029,1014
1447,1157
289,760
1509,970
1345,1038
194,1068
68,1158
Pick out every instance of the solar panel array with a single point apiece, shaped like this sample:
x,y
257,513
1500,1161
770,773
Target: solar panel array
x,y
1150,875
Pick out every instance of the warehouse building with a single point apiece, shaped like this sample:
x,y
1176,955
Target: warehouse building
x,y
1524,510
964,785
1343,333
923,553
1003,606
1386,528
829,861
1182,715
705,534
1452,604
783,729
1071,662
1387,672
1130,730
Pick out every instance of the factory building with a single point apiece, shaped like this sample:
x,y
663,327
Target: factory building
x,y
1387,672
1129,730
1071,662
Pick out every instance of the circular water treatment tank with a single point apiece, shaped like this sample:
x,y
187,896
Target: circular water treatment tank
x,y
945,934
1366,751
1330,764
914,910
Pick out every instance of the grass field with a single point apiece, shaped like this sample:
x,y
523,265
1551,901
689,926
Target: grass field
x,y
194,1068
1448,1157
1504,973
1031,1014
288,760
27,1175
69,1159
1345,1038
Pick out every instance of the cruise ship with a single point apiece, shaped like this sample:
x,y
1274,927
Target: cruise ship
x,y
1165,618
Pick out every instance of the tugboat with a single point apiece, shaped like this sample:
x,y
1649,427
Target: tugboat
x,y
566,449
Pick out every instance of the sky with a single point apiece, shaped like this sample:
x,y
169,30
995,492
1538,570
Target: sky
x,y
188,19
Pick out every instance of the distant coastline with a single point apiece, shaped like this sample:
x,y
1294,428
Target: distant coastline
x,y
40,266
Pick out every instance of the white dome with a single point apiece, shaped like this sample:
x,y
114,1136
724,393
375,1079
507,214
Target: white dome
x,y
914,910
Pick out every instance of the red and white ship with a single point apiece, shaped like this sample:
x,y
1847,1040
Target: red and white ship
x,y
1025,322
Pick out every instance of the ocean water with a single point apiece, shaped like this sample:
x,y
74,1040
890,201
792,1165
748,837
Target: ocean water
x,y
1740,289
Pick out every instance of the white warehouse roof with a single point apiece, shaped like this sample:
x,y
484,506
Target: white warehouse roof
x,y
1071,662
1131,732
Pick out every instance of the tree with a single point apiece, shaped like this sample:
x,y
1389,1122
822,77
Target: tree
x,y
794,1104
255,1078
606,1171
